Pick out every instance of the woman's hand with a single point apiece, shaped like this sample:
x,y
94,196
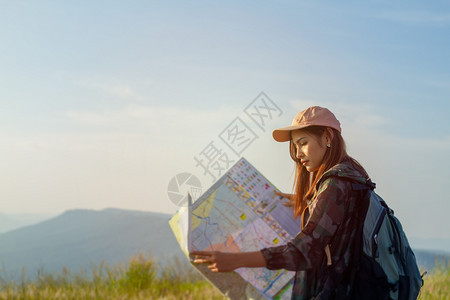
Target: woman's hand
x,y
227,262
218,261
288,196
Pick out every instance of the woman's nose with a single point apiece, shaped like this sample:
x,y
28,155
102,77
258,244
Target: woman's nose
x,y
299,154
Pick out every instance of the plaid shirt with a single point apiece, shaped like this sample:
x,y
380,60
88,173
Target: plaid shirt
x,y
328,225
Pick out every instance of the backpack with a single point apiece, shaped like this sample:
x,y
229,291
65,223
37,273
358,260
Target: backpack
x,y
383,266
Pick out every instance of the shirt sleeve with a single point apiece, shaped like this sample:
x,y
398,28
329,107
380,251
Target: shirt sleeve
x,y
307,248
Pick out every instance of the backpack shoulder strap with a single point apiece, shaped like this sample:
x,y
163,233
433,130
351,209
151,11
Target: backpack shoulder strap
x,y
357,222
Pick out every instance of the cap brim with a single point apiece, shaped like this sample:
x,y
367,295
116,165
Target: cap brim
x,y
284,134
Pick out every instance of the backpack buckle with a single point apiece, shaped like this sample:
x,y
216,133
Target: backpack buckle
x,y
391,249
372,185
394,286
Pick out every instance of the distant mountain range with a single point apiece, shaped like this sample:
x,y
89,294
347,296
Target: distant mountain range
x,y
10,222
79,238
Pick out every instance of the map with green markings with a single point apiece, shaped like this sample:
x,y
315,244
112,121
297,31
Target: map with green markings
x,y
240,212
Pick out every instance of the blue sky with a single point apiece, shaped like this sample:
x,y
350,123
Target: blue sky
x,y
103,102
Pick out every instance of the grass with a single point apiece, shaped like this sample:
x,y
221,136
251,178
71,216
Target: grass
x,y
140,278
437,284
136,279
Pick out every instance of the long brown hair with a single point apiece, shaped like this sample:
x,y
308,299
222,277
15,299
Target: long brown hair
x,y
305,182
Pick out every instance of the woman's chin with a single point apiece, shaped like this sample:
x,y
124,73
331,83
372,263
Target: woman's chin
x,y
310,169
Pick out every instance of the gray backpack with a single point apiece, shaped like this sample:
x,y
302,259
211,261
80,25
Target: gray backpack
x,y
384,266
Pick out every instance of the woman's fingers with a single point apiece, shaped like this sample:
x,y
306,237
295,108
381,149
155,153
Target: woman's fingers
x,y
287,196
217,261
278,193
201,260
284,195
207,257
202,253
202,257
288,204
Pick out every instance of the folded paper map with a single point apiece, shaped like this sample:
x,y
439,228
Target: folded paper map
x,y
239,213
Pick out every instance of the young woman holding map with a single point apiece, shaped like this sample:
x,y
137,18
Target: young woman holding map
x,y
323,198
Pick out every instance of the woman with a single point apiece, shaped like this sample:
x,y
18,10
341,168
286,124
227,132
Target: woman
x,y
322,250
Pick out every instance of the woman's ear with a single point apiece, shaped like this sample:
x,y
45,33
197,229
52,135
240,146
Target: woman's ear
x,y
329,135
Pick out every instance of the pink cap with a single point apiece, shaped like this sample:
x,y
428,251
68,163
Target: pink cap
x,y
312,116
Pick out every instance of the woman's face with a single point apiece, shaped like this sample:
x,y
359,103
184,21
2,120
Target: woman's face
x,y
310,149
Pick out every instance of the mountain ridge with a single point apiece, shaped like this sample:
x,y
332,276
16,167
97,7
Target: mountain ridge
x,y
10,222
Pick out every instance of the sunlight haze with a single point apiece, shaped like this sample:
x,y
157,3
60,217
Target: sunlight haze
x,y
104,102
